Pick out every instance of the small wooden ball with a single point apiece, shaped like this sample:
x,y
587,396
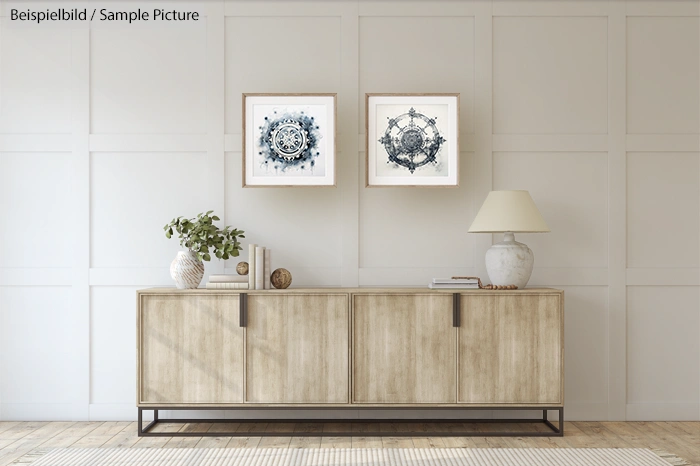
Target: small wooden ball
x,y
242,268
281,279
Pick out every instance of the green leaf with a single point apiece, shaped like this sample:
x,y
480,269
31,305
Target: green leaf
x,y
206,257
215,218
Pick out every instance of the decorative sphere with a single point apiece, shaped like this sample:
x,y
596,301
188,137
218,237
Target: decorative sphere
x,y
281,279
242,268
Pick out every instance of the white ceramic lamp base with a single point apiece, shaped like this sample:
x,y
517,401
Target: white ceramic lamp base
x,y
509,262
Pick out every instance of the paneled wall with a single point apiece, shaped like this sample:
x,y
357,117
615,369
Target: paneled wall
x,y
593,106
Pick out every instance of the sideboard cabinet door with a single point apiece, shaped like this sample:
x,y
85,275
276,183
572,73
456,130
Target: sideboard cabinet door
x,y
511,349
404,349
297,348
190,349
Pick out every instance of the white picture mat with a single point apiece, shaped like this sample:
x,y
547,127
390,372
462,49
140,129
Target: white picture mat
x,y
255,107
451,135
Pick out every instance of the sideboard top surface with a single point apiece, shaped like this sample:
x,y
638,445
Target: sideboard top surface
x,y
364,290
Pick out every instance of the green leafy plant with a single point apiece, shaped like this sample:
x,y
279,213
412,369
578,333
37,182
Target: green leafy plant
x,y
200,234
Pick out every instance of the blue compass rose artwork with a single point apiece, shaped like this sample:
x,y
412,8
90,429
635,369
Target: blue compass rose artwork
x,y
412,140
289,139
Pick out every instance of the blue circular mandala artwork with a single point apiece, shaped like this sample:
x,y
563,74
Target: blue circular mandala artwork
x,y
412,140
289,140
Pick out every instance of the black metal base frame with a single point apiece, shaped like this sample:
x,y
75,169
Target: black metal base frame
x,y
555,431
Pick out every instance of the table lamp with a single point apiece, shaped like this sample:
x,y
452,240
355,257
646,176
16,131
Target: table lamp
x,y
509,212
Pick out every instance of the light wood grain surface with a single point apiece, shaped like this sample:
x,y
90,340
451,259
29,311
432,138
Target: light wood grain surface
x,y
362,290
392,347
403,349
190,349
297,348
511,349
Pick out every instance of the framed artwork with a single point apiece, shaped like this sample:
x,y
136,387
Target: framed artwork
x,y
289,140
412,140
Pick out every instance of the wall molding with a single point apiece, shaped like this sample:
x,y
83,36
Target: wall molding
x,y
550,142
36,276
480,145
617,211
665,411
36,143
663,276
149,142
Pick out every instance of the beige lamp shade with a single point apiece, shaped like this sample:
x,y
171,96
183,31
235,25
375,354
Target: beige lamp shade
x,y
513,211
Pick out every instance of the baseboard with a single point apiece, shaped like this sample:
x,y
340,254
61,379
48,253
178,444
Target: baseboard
x,y
663,411
116,412
576,411
40,412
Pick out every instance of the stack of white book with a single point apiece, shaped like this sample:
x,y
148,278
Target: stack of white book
x,y
259,267
453,283
228,282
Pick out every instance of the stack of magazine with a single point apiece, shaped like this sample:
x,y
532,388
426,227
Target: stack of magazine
x,y
454,283
228,282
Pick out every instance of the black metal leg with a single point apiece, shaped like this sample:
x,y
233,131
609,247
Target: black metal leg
x,y
555,431
144,431
558,431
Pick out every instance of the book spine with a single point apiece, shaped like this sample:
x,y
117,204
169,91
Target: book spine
x,y
251,266
227,286
268,269
231,279
259,268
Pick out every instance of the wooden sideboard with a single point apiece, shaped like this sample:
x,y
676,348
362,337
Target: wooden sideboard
x,y
350,348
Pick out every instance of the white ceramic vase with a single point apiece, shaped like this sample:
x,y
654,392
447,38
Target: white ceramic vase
x,y
187,270
509,262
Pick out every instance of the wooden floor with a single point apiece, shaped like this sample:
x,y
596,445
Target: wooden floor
x,y
19,438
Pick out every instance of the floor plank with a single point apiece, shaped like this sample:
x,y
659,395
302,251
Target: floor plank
x,y
243,442
305,441
101,435
366,442
157,442
124,439
71,435
20,438
32,440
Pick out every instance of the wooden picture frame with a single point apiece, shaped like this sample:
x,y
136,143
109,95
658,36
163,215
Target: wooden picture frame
x,y
289,140
412,140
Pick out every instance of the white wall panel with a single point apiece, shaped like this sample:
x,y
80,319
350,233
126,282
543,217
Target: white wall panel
x,y
553,95
663,201
35,82
663,71
570,191
112,344
133,195
35,208
36,353
279,54
663,346
425,227
418,54
550,75
301,226
586,347
148,80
